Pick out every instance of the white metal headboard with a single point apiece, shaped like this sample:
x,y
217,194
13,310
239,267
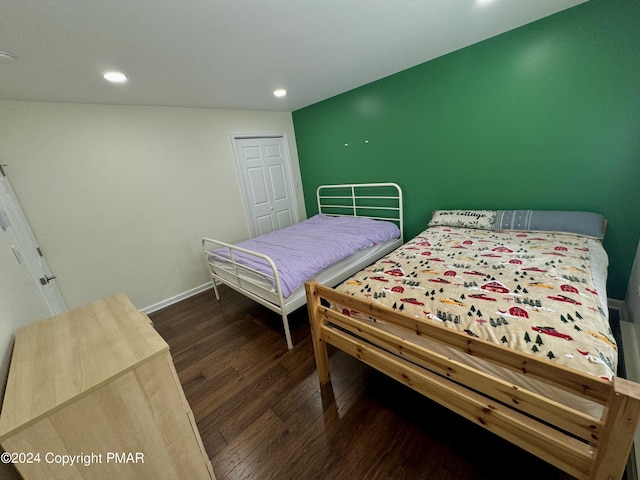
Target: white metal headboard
x,y
379,201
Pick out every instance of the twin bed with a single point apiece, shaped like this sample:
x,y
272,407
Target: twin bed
x,y
501,316
356,225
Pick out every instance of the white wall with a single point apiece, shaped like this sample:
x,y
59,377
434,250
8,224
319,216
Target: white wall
x,y
119,197
632,300
630,331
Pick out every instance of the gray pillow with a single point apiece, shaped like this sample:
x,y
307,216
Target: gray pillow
x,y
582,223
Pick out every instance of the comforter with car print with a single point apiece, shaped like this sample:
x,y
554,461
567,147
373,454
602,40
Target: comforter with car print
x,y
529,291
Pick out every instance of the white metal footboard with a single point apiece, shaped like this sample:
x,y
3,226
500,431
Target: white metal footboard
x,y
262,287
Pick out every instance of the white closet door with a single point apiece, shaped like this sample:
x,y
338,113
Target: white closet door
x,y
265,175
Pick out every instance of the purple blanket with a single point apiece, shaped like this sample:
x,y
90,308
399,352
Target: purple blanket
x,y
303,250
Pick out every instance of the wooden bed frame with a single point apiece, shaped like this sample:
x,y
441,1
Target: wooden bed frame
x,y
579,444
379,201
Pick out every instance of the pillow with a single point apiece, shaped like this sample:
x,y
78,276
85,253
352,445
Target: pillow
x,y
582,223
483,219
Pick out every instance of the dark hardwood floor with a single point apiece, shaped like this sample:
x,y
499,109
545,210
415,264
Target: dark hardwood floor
x,y
262,414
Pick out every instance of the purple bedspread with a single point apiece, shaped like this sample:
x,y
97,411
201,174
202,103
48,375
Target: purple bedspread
x,y
303,250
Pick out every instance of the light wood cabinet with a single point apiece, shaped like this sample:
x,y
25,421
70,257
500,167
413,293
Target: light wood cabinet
x,y
96,386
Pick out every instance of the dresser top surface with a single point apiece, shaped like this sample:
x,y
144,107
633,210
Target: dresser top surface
x,y
61,358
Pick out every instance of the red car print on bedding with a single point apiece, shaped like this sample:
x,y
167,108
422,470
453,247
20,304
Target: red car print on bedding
x,y
496,287
412,301
562,298
553,332
482,296
569,288
395,272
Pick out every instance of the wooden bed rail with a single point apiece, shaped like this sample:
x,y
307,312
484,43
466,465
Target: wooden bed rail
x,y
585,446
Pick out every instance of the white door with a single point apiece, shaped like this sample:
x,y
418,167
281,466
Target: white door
x,y
264,168
25,252
21,302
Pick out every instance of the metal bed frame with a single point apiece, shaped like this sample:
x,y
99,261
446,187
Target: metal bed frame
x,y
379,201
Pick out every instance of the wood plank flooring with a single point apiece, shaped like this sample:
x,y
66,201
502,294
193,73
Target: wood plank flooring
x,y
262,414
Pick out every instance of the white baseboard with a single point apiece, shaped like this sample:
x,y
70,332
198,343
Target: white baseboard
x,y
175,299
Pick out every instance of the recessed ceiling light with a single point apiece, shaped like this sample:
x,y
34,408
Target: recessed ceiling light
x,y
6,57
115,77
280,92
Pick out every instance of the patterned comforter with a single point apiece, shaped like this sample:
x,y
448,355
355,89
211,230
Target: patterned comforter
x,y
526,290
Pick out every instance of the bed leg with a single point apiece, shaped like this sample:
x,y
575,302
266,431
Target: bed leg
x,y
215,289
319,346
617,436
287,331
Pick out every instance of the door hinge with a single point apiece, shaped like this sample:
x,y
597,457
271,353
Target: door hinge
x,y
39,251
4,221
46,279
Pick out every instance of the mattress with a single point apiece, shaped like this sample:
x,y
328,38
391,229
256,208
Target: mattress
x,y
539,293
302,251
339,271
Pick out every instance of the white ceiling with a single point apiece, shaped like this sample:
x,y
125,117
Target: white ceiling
x,y
234,53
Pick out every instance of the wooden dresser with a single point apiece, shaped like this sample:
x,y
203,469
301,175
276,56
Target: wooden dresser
x,y
93,394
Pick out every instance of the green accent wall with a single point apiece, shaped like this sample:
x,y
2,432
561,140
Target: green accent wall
x,y
546,116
